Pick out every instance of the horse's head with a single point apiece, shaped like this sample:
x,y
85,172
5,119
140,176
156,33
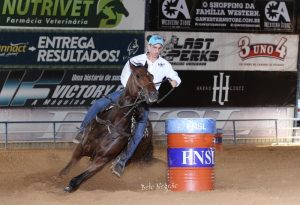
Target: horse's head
x,y
140,84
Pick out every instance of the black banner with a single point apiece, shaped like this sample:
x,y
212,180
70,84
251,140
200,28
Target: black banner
x,y
69,88
232,89
298,20
69,48
224,15
56,88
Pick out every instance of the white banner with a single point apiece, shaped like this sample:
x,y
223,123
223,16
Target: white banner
x,y
230,51
257,126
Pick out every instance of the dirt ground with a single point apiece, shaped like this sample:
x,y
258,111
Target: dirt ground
x,y
243,175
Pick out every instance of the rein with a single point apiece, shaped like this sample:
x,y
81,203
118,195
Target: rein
x,y
163,97
133,105
168,93
108,123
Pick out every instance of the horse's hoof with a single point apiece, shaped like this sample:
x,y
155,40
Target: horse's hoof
x,y
68,189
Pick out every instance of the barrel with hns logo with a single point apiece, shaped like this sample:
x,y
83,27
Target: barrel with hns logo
x,y
190,154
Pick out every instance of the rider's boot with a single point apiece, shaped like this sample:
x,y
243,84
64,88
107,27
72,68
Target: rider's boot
x,y
118,166
79,136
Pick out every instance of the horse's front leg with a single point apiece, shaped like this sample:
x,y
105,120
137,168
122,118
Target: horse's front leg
x,y
77,155
96,165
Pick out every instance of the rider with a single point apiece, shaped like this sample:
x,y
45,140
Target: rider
x,y
159,68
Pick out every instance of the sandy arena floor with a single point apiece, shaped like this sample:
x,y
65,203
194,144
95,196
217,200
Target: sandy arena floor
x,y
244,175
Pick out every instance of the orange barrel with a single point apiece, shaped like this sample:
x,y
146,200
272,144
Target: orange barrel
x,y
219,140
190,154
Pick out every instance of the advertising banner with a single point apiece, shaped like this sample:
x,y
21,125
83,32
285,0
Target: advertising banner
x,y
56,88
80,88
298,21
230,51
62,48
232,89
223,15
83,14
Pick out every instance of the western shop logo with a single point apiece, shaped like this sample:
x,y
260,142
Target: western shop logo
x,y
277,15
192,52
176,13
13,49
73,49
248,50
70,13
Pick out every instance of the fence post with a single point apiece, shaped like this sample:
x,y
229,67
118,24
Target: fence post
x,y
6,136
276,133
54,133
234,134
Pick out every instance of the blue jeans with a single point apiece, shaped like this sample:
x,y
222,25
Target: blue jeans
x,y
98,106
127,153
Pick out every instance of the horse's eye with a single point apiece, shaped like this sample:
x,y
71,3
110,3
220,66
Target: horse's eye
x,y
137,76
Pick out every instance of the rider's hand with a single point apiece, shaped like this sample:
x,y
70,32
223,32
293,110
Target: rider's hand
x,y
173,83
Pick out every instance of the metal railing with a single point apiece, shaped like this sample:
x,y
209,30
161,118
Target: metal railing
x,y
53,132
230,131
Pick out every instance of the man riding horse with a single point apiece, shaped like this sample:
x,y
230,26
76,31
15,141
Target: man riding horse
x,y
160,69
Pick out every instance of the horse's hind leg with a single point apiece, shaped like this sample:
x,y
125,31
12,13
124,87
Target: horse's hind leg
x,y
91,171
148,154
77,155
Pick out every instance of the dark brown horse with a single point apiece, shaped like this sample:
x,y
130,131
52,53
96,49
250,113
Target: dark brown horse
x,y
109,133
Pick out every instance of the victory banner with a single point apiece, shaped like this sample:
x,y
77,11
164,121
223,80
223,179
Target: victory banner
x,y
80,88
95,14
223,15
56,88
63,48
230,51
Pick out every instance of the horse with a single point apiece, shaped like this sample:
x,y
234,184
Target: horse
x,y
109,133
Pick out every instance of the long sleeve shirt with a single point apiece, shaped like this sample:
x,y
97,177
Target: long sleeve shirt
x,y
159,69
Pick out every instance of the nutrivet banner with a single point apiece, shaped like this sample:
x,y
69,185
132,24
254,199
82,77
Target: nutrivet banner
x,y
69,48
232,89
223,15
230,51
56,88
84,14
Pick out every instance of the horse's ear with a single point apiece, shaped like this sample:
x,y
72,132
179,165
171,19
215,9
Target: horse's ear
x,y
146,65
132,66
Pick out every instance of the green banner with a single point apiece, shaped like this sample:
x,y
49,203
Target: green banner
x,y
69,13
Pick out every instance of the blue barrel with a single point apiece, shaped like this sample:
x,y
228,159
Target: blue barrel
x,y
190,153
